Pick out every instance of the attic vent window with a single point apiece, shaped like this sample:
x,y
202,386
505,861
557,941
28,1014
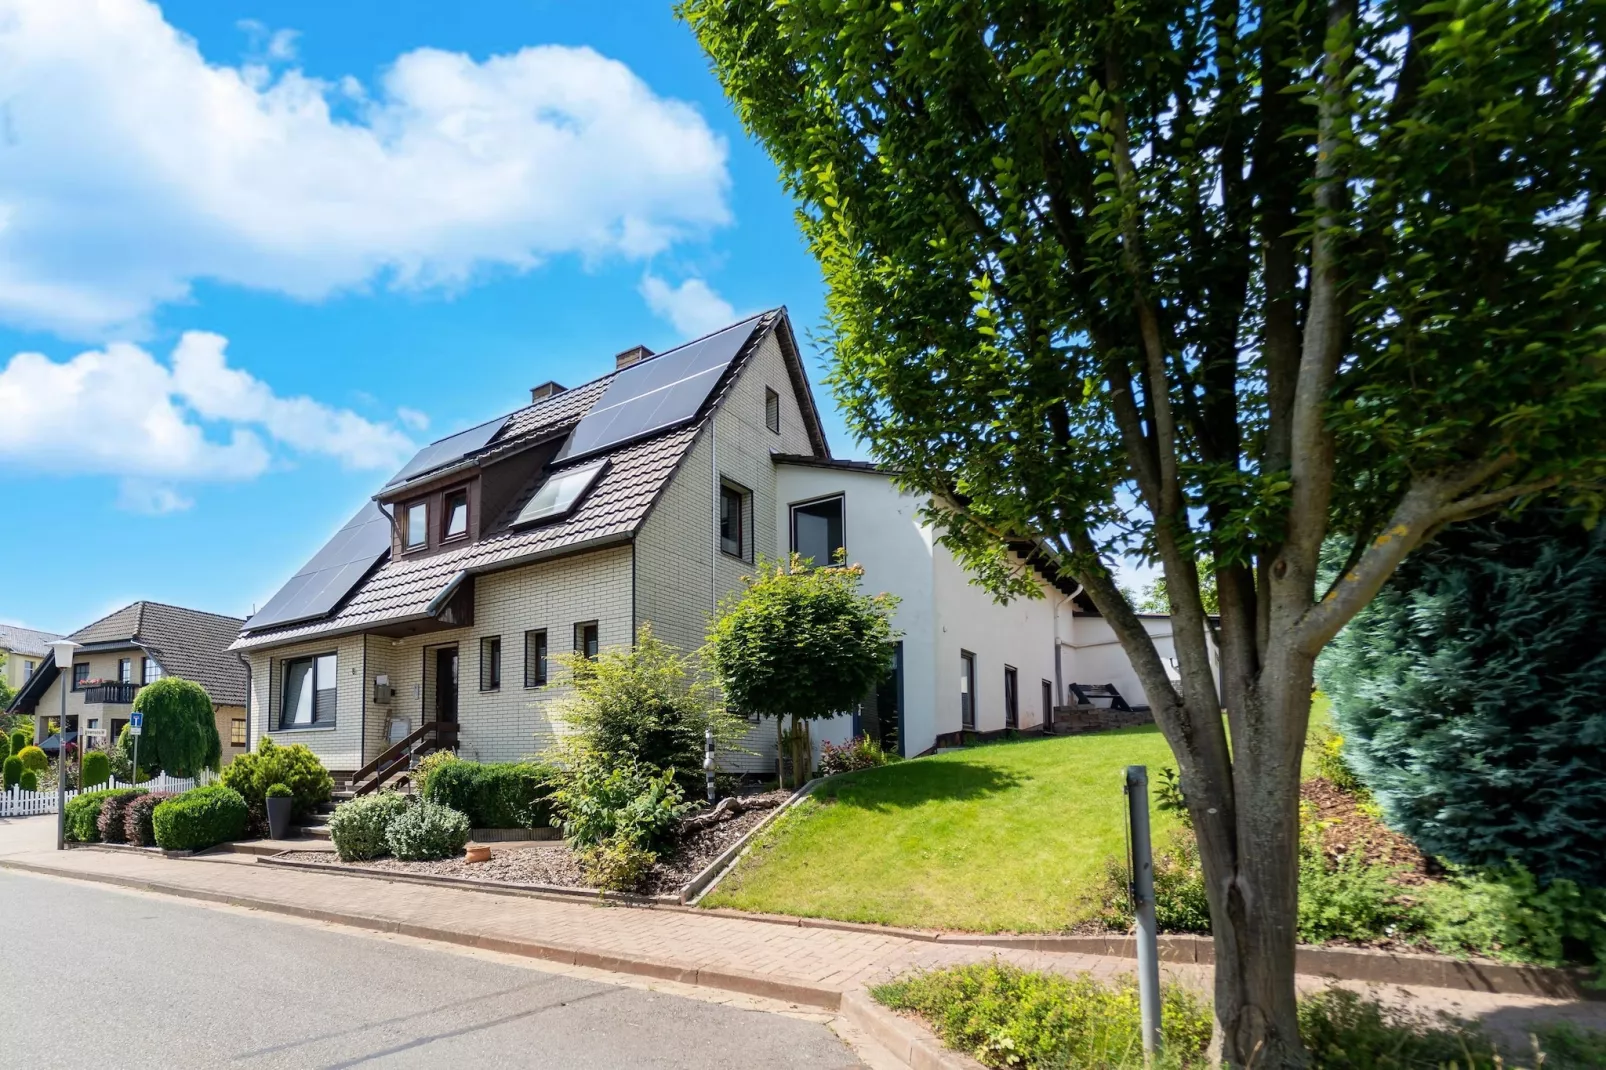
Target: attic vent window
x,y
772,410
560,494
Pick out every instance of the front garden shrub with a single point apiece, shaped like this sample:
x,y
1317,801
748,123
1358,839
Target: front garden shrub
x,y
83,813
34,758
114,815
1471,694
1349,899
180,732
279,791
1508,914
137,825
599,803
426,832
122,760
29,781
494,795
1180,905
617,865
12,772
273,763
20,738
97,768
5,747
200,817
860,752
1008,1017
427,765
358,827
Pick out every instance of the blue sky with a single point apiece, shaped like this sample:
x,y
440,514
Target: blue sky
x,y
254,276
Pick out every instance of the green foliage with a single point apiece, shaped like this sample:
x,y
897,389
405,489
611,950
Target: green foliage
x,y
12,774
5,747
1348,899
616,865
358,826
860,752
279,791
631,801
180,731
97,768
427,765
34,758
1508,914
1328,751
493,795
426,832
28,781
200,817
1168,796
1155,599
648,704
20,738
1472,696
112,822
1008,1017
1180,903
138,826
7,695
122,760
83,812
272,763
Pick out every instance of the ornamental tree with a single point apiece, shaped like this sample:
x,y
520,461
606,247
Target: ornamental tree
x,y
802,643
1471,694
179,735
1164,279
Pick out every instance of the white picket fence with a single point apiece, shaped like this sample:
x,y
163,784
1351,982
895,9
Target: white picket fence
x,y
19,803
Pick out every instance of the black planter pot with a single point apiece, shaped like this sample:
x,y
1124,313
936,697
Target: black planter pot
x,y
279,817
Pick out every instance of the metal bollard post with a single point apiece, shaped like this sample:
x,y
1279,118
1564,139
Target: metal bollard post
x,y
708,761
1142,870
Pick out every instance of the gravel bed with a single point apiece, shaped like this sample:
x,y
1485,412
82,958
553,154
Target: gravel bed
x,y
551,861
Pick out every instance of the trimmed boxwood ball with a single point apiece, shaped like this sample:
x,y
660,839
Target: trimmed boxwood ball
x,y
29,781
12,774
426,832
200,818
358,827
97,768
279,791
34,758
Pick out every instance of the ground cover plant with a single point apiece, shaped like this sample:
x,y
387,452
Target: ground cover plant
x,y
200,817
1002,837
860,752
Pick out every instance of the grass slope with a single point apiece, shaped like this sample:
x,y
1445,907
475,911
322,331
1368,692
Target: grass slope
x,y
1008,837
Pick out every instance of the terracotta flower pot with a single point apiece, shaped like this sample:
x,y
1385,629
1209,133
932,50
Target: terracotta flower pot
x,y
477,852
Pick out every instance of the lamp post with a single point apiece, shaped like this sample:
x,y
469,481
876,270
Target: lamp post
x,y
62,649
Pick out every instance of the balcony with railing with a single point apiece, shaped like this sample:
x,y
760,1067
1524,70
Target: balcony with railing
x,y
109,692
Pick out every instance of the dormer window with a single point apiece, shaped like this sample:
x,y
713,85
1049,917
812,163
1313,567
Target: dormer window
x,y
417,533
455,510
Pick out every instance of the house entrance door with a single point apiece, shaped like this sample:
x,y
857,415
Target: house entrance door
x,y
446,684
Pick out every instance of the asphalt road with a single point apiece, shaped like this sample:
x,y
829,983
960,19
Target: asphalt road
x,y
137,981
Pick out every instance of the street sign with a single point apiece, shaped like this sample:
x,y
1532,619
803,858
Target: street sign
x,y
136,722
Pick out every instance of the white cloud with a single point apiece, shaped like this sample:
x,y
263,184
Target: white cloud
x,y
119,411
693,306
414,419
130,167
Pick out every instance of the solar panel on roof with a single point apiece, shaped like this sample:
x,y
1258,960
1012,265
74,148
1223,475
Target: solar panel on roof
x,y
331,574
657,393
449,449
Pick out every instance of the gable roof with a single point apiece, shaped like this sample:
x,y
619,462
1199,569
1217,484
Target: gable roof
x,y
191,643
637,471
26,640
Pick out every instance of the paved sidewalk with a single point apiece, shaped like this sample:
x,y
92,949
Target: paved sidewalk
x,y
810,966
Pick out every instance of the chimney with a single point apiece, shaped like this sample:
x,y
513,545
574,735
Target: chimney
x,y
546,390
633,355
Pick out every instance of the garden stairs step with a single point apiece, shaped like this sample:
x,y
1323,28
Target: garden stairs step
x,y
314,832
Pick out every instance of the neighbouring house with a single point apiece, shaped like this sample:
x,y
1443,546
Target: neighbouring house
x,y
22,651
432,618
124,651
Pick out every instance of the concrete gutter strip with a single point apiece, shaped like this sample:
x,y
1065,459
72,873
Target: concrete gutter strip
x,y
715,871
906,1040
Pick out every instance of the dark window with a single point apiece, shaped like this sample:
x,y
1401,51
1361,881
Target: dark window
x,y
490,663
237,732
1048,704
80,674
732,530
967,690
772,410
149,671
817,531
125,670
585,639
27,671
455,523
1011,697
535,658
309,692
417,534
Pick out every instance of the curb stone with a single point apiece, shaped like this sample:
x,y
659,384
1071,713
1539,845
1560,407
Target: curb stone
x,y
907,1040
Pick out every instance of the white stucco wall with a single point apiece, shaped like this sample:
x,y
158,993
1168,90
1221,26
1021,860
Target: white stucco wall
x,y
1093,655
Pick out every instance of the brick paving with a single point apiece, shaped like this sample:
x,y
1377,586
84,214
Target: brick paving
x,y
803,964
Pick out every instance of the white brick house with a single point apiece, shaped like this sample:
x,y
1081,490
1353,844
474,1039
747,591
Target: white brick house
x,y
478,558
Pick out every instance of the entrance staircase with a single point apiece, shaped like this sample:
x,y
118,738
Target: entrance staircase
x,y
399,759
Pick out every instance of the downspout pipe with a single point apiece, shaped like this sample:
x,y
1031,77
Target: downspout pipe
x,y
245,661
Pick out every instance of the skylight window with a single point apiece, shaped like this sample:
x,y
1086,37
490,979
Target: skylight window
x,y
559,494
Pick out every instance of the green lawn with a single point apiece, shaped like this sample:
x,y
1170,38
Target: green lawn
x,y
1006,837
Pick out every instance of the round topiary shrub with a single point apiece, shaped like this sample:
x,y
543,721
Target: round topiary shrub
x,y
137,827
5,747
358,827
12,772
426,832
83,812
34,758
271,763
29,781
200,818
114,815
20,738
97,768
279,791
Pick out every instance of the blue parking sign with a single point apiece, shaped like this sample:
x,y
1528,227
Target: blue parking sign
x,y
136,721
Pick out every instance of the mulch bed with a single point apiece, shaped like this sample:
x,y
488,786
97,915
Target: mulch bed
x,y
1349,829
552,862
